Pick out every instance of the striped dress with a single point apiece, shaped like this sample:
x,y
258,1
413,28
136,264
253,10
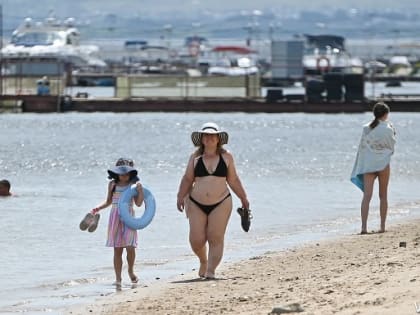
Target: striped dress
x,y
119,235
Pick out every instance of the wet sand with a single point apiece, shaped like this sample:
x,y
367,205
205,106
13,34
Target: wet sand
x,y
356,274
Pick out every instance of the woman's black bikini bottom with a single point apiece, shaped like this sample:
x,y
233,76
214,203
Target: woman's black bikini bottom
x,y
207,209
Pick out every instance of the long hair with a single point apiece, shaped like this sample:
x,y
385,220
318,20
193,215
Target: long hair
x,y
200,149
379,110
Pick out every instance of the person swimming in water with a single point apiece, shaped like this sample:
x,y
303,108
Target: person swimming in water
x,y
5,188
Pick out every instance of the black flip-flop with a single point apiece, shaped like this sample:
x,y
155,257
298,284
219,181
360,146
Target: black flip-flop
x,y
245,218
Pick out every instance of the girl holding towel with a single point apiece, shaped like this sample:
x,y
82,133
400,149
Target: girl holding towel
x,y
373,162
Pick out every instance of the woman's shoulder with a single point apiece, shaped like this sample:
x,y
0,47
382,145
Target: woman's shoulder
x,y
390,125
195,155
391,128
226,155
387,125
366,126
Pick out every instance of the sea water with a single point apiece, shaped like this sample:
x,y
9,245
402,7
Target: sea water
x,y
294,167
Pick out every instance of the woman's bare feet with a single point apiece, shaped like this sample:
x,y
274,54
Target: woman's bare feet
x,y
202,270
210,275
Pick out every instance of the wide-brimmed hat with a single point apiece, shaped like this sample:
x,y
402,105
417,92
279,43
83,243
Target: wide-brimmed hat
x,y
123,166
211,129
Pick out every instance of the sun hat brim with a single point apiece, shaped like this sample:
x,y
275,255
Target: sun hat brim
x,y
121,170
196,136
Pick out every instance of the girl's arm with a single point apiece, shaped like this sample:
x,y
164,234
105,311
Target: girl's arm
x,y
186,183
234,181
140,196
108,201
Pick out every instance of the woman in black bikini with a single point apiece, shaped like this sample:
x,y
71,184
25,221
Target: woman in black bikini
x,y
204,194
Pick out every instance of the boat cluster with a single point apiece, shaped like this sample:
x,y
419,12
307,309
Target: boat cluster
x,y
196,56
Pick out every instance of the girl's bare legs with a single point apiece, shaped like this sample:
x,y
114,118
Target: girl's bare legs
x,y
368,180
216,228
118,251
131,258
198,225
383,179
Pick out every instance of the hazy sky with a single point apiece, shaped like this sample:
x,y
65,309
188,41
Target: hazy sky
x,y
259,4
151,15
189,6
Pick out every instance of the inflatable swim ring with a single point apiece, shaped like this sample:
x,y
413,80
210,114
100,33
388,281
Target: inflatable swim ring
x,y
124,206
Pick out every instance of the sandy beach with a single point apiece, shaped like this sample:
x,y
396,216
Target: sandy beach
x,y
356,274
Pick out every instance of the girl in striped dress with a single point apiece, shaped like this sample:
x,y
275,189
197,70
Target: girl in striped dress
x,y
119,235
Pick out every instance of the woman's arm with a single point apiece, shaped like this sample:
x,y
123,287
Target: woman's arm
x,y
186,183
108,201
234,181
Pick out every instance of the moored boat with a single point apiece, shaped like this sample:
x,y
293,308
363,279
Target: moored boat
x,y
51,38
327,53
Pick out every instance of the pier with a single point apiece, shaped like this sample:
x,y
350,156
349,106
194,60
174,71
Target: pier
x,y
50,104
184,93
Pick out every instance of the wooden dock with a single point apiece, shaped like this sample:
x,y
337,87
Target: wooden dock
x,y
212,105
49,104
30,103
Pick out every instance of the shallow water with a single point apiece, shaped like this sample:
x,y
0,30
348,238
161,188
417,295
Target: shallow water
x,y
295,168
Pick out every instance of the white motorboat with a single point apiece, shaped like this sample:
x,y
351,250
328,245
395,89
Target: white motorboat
x,y
52,39
327,53
233,61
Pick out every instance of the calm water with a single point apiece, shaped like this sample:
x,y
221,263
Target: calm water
x,y
295,167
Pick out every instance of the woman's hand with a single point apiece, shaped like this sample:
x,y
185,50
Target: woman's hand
x,y
245,203
180,204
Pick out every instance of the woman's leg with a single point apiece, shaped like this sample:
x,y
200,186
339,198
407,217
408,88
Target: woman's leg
x,y
368,181
383,179
131,258
216,228
198,225
118,251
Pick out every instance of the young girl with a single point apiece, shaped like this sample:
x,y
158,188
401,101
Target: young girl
x,y
119,235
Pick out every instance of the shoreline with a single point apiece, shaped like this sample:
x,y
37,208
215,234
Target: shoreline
x,y
353,274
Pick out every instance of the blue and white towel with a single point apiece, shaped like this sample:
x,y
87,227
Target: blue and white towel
x,y
375,150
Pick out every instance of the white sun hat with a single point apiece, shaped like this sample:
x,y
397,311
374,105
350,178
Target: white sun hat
x,y
212,129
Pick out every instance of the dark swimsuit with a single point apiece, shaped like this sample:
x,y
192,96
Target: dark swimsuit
x,y
200,170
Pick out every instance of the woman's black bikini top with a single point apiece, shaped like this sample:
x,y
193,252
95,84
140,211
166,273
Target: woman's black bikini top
x,y
200,169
